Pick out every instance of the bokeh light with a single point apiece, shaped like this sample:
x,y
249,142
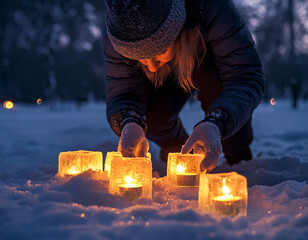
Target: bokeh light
x,y
8,104
273,101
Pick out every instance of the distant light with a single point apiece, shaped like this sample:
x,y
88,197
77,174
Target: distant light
x,y
82,215
273,101
39,101
8,104
269,212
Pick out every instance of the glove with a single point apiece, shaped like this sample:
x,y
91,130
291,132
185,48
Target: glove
x,y
132,141
205,139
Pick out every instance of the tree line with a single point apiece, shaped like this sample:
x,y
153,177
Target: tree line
x,y
52,49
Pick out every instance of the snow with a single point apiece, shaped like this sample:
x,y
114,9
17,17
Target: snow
x,y
36,204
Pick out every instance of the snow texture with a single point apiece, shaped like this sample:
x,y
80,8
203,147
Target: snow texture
x,y
36,204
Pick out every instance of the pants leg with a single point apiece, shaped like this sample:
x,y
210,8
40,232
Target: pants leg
x,y
164,125
239,141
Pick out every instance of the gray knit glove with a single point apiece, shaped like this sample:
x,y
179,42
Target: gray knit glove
x,y
132,141
205,139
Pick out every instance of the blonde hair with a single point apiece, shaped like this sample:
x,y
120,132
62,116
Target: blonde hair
x,y
190,51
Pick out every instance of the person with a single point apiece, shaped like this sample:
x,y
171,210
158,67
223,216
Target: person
x,y
157,53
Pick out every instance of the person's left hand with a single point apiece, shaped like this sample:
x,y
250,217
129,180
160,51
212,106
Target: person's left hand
x,y
205,139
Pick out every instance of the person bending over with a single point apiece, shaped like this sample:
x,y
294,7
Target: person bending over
x,y
157,52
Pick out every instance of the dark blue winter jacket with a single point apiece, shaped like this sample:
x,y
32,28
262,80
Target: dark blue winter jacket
x,y
234,54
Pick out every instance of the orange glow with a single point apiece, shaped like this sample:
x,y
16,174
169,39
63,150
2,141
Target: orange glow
x,y
130,183
130,190
180,169
82,215
273,101
226,191
183,169
75,162
39,101
131,177
8,104
73,170
129,180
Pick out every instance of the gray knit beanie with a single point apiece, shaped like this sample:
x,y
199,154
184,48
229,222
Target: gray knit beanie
x,y
142,29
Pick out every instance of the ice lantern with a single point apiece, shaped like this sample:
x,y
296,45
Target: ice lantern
x,y
183,169
75,162
223,194
112,155
131,178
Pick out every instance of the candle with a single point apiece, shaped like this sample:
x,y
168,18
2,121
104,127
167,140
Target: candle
x,y
129,190
227,204
187,179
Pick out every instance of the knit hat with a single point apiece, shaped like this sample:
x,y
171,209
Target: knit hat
x,y
142,29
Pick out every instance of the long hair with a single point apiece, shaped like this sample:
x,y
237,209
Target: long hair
x,y
190,51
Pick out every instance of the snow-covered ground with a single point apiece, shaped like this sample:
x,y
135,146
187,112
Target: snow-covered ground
x,y
34,204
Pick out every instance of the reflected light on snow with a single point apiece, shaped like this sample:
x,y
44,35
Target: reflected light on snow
x,y
273,101
8,104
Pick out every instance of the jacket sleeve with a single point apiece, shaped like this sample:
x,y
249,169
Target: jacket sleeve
x,y
126,89
238,65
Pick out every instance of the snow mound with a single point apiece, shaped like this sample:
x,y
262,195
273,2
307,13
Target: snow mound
x,y
36,203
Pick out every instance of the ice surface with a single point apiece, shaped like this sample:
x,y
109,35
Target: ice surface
x,y
223,194
36,205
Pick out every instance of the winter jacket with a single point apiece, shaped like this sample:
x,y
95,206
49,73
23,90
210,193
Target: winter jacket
x,y
227,39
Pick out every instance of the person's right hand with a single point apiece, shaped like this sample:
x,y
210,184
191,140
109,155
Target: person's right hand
x,y
133,142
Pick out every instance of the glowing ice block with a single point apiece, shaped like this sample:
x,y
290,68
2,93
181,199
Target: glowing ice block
x,y
110,156
223,194
75,162
131,178
184,169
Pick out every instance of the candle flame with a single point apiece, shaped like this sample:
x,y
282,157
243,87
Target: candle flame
x,y
129,180
226,190
180,169
73,170
8,104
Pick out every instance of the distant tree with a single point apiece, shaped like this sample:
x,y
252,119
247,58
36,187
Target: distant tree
x,y
51,49
280,30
